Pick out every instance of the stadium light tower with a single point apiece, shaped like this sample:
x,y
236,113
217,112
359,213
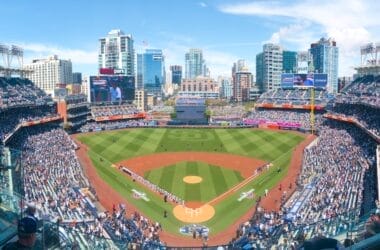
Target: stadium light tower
x,y
369,54
4,51
18,52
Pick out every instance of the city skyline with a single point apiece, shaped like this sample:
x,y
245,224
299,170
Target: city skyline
x,y
225,30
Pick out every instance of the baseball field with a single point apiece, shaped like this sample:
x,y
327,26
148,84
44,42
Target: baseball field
x,y
218,173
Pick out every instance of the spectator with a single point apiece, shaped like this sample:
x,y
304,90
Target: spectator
x,y
26,231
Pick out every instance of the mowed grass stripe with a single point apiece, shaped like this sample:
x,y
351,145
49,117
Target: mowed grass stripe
x,y
179,187
166,180
218,180
154,176
192,191
208,192
149,142
231,177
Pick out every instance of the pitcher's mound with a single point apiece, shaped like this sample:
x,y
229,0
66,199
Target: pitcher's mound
x,y
192,179
194,215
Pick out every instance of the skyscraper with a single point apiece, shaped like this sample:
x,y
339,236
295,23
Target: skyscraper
x,y
194,63
77,78
47,73
225,87
289,61
241,81
150,71
176,74
303,61
116,52
269,64
325,55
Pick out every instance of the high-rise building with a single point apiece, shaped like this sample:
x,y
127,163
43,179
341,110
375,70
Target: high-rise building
x,y
269,64
225,87
289,61
48,73
116,52
269,67
325,55
176,75
242,86
241,81
150,71
194,64
303,63
77,78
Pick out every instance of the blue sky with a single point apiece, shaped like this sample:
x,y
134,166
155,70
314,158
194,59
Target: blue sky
x,y
226,30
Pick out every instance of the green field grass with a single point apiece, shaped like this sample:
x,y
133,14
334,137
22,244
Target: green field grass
x,y
114,146
215,180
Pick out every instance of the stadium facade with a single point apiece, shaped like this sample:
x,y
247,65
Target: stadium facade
x,y
190,110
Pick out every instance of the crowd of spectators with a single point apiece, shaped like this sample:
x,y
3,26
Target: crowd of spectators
x,y
99,111
365,90
336,185
285,116
53,180
336,167
111,125
367,116
294,97
15,92
227,112
10,119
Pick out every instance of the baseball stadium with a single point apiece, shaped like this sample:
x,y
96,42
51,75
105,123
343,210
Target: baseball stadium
x,y
299,167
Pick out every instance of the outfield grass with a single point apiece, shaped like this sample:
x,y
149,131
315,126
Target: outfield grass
x,y
123,144
215,180
114,146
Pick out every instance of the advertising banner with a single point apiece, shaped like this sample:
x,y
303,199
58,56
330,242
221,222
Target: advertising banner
x,y
287,80
320,81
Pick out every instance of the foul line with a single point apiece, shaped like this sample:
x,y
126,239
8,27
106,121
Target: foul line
x,y
235,188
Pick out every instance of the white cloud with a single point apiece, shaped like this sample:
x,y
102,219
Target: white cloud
x,y
77,56
347,21
219,63
202,4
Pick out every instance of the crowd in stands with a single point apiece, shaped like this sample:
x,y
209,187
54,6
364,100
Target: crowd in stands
x,y
227,112
10,119
16,92
337,184
98,111
294,97
53,179
285,116
365,90
336,167
110,125
366,115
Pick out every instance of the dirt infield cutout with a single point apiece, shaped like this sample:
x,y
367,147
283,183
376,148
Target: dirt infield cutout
x,y
194,215
192,179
